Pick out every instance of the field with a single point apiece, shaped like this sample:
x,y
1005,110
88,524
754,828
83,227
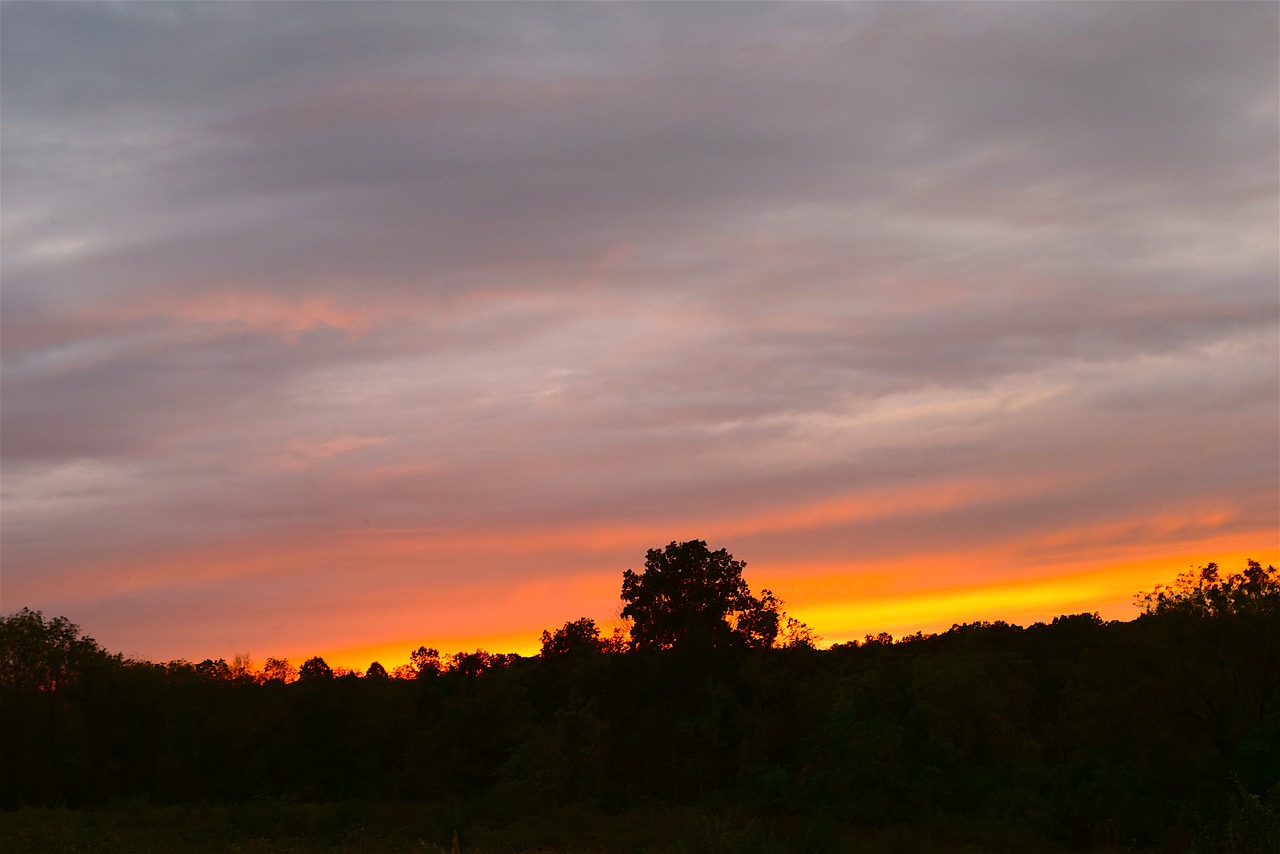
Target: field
x,y
273,826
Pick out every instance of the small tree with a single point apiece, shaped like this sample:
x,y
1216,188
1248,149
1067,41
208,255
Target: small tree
x,y
214,671
472,664
376,672
425,662
315,670
796,633
241,668
279,669
581,635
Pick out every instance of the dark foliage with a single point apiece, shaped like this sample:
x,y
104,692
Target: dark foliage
x,y
314,669
576,637
1206,593
1164,731
690,595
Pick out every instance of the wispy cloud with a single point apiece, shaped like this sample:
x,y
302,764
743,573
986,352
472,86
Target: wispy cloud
x,y
393,311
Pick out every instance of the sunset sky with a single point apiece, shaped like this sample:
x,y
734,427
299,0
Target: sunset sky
x,y
343,328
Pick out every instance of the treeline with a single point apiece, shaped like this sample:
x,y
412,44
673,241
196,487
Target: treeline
x,y
1163,731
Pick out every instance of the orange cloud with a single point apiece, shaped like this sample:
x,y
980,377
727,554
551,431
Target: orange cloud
x,y
260,311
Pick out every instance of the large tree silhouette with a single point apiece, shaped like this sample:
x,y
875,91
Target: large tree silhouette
x,y
689,594
40,654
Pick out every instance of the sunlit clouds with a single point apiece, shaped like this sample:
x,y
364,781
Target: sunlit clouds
x,y
341,327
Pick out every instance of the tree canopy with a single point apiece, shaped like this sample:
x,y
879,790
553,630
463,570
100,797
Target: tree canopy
x,y
36,653
576,636
1205,592
690,594
315,668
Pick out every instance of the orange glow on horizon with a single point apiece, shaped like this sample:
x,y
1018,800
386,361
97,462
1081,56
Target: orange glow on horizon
x,y
392,655
522,580
1110,591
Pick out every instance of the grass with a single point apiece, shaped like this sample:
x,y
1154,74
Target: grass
x,y
464,828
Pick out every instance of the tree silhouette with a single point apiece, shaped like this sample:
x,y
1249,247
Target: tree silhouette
x,y
690,594
472,664
376,671
758,624
241,668
1207,593
425,662
214,671
581,635
279,669
40,654
314,669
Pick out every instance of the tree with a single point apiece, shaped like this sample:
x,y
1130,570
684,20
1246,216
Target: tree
x,y
36,654
425,662
690,594
759,623
241,668
376,672
1205,593
279,669
214,671
314,669
581,635
796,633
472,664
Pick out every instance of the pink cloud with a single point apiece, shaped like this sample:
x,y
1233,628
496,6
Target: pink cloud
x,y
262,311
303,453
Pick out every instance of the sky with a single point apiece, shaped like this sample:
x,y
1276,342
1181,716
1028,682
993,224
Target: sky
x,y
343,328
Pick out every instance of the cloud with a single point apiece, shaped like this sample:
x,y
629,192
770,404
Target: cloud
x,y
535,287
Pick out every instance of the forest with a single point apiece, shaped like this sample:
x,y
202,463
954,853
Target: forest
x,y
714,723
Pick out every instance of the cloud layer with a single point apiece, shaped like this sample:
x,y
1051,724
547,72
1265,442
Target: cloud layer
x,y
346,324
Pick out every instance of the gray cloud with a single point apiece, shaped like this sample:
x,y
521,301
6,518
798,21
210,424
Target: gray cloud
x,y
279,269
